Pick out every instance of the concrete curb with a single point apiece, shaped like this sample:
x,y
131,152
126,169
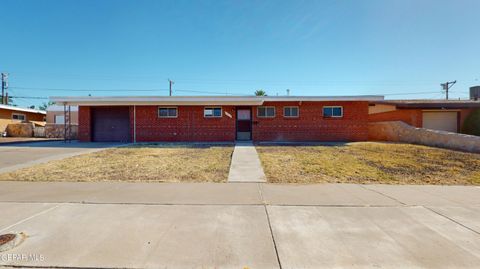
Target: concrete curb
x,y
27,142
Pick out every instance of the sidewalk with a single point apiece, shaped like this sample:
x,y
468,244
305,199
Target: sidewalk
x,y
245,166
249,225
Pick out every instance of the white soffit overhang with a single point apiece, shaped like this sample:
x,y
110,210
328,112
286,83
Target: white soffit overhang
x,y
199,100
20,109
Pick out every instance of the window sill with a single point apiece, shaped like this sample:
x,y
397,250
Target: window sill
x,y
334,118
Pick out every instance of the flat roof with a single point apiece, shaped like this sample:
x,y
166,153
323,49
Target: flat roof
x,y
21,109
55,108
422,103
199,100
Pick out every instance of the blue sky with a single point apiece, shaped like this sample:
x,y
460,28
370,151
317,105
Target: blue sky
x,y
348,47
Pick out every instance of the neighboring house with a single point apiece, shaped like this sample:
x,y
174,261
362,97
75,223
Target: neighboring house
x,y
446,115
13,114
222,118
56,115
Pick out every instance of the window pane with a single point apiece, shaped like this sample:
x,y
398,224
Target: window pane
x,y
270,111
287,112
243,114
327,111
208,112
59,119
294,111
261,112
217,112
337,111
163,112
172,112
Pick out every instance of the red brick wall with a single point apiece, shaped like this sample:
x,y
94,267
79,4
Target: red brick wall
x,y
409,116
84,124
190,125
414,117
311,125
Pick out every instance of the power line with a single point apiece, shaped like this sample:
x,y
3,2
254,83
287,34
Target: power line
x,y
120,90
88,90
407,93
30,97
168,90
216,81
223,93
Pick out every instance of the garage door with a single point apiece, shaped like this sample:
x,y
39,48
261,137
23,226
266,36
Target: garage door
x,y
438,120
110,124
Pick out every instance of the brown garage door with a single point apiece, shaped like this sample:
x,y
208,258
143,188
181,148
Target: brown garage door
x,y
110,124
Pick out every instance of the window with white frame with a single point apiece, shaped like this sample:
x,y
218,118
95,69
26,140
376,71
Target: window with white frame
x,y
167,112
290,111
332,111
59,119
212,112
266,111
18,117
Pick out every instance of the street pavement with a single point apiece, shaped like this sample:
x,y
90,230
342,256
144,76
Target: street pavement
x,y
243,225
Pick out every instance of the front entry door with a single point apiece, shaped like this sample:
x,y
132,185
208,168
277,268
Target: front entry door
x,y
244,124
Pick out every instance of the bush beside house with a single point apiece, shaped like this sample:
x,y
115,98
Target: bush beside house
x,y
471,125
20,129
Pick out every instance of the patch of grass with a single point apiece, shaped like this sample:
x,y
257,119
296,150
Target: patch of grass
x,y
369,162
145,163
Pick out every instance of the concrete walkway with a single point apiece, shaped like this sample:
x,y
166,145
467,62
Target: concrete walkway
x,y
245,166
195,225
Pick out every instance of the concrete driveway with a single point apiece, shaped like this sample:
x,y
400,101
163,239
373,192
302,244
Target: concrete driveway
x,y
16,156
243,225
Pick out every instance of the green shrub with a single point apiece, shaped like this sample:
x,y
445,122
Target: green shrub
x,y
471,125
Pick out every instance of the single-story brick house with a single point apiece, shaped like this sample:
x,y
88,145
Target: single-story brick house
x,y
221,118
446,115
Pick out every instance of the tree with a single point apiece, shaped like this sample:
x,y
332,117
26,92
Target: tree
x,y
260,93
45,105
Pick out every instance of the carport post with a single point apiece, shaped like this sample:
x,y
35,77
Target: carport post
x,y
64,122
134,124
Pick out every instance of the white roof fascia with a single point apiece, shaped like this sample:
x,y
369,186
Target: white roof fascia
x,y
157,100
14,108
55,108
198,100
324,98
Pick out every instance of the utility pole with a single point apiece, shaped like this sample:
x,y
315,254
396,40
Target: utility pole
x,y
171,83
4,88
446,86
288,92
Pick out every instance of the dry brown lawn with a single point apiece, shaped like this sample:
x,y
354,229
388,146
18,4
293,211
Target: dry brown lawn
x,y
369,162
155,163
